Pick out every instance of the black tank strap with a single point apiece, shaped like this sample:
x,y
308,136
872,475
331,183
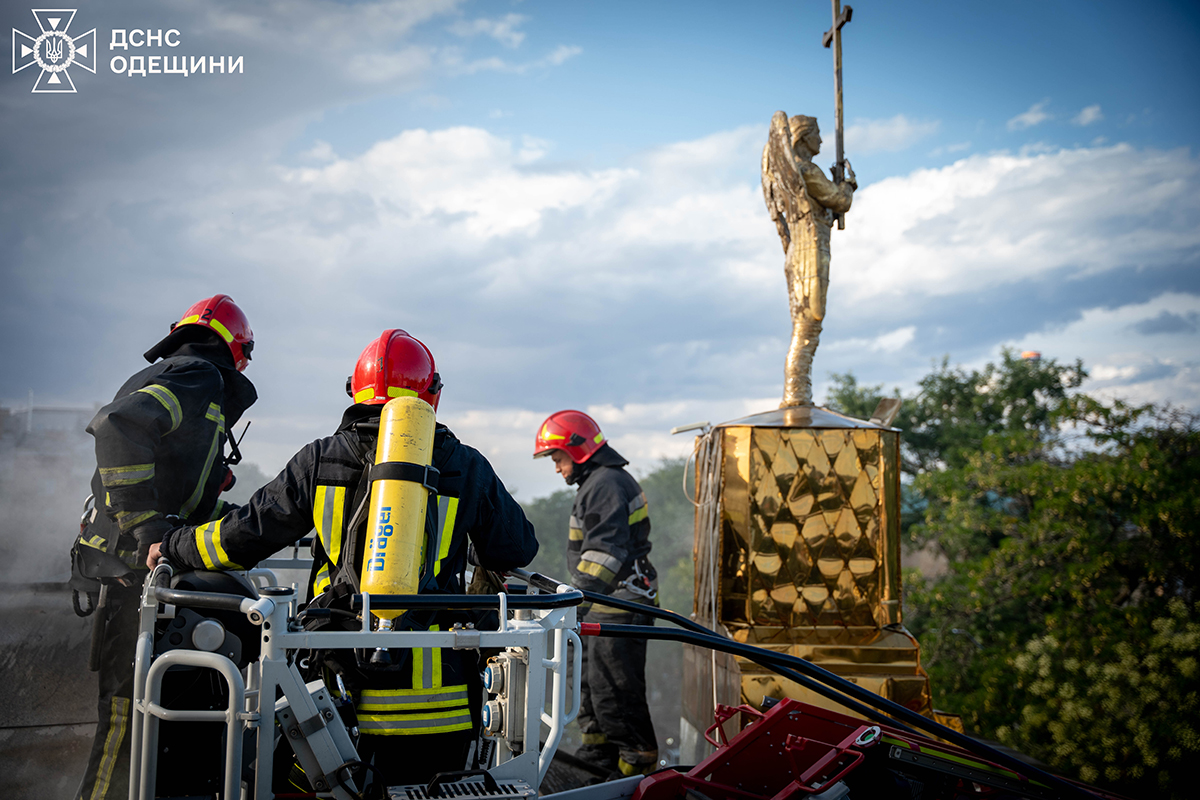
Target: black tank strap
x,y
406,471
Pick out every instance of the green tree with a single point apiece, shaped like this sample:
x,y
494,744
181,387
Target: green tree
x,y
549,516
1071,529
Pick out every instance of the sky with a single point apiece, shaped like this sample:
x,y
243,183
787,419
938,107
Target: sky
x,y
563,201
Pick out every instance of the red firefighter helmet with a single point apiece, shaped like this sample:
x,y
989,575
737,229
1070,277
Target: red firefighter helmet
x,y
222,316
395,365
573,432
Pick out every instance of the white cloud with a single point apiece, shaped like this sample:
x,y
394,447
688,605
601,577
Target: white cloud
x,y
1143,352
957,147
562,53
325,27
649,291
461,172
320,151
453,61
638,431
387,67
1036,115
889,342
503,30
1088,115
991,220
887,135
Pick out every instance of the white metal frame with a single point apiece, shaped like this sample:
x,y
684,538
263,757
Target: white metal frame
x,y
542,634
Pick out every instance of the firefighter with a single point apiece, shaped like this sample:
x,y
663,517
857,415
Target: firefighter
x,y
415,715
160,452
608,545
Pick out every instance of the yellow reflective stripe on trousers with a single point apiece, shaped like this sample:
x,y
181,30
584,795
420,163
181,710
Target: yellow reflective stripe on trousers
x,y
458,719
208,542
169,401
447,513
126,476
190,504
412,699
118,720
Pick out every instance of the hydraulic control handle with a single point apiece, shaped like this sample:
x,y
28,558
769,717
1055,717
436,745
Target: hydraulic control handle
x,y
255,609
543,582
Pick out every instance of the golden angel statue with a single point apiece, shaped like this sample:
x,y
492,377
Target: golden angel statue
x,y
803,203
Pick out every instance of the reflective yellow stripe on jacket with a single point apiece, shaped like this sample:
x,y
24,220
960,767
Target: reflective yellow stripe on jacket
x,y
214,414
168,400
426,708
638,510
328,520
208,542
129,475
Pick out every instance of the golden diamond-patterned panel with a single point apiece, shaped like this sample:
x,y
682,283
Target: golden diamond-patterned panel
x,y
809,555
809,549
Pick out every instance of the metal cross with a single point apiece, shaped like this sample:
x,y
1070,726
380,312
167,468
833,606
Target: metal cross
x,y
834,35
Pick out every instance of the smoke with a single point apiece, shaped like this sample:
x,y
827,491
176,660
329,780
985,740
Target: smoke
x,y
46,465
47,460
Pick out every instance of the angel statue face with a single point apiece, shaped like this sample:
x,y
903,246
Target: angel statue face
x,y
805,132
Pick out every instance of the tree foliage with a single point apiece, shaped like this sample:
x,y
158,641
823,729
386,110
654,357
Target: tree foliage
x,y
1072,532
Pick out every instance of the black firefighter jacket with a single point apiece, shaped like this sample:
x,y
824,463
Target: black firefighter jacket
x,y
319,489
160,447
609,537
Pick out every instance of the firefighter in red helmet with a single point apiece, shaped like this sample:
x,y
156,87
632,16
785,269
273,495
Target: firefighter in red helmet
x,y
608,548
324,486
160,452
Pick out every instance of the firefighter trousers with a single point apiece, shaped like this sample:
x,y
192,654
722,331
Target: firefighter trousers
x,y
107,775
613,714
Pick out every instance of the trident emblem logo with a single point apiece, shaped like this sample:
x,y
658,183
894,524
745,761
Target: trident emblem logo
x,y
54,51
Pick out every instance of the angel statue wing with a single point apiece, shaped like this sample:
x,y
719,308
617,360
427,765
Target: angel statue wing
x,y
783,184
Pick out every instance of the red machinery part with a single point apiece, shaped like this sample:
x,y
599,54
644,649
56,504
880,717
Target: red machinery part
x,y
792,750
795,749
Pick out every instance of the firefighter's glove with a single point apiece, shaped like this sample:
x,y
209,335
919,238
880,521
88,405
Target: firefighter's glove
x,y
148,533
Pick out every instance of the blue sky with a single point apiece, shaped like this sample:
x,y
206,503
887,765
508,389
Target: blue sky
x,y
563,201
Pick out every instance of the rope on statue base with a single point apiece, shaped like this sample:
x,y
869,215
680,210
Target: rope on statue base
x,y
706,455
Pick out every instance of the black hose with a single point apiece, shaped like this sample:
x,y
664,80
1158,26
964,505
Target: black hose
x,y
812,685
773,660
548,584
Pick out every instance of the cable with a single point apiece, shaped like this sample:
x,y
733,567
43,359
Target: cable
x,y
775,660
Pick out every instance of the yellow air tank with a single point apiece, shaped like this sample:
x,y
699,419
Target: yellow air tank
x,y
395,550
